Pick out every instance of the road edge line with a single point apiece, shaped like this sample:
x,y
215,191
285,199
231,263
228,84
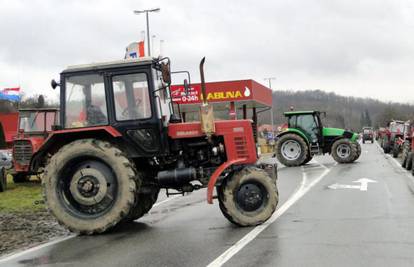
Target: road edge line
x,y
250,236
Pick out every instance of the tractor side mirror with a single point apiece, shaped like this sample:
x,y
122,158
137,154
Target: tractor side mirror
x,y
166,74
186,87
54,84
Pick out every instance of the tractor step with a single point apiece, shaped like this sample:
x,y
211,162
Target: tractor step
x,y
314,149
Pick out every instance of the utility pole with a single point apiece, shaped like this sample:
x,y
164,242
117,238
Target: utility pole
x,y
271,109
146,11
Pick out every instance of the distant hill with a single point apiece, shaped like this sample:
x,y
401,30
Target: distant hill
x,y
342,111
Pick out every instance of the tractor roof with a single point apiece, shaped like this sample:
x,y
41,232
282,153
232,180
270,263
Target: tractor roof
x,y
291,113
110,64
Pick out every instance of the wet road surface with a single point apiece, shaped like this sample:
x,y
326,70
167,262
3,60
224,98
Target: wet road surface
x,y
327,216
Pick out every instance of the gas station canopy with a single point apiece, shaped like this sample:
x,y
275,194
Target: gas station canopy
x,y
241,93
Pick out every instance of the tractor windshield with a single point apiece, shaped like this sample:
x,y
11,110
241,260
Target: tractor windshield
x,y
36,121
85,101
397,128
305,123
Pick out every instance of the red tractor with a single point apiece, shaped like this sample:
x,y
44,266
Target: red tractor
x,y
393,138
34,127
407,149
119,141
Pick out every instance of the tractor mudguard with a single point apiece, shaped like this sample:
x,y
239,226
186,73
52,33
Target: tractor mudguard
x,y
295,131
59,138
216,174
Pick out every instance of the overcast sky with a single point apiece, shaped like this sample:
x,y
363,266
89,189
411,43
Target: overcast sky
x,y
358,48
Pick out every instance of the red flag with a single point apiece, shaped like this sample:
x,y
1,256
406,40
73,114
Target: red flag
x,y
141,49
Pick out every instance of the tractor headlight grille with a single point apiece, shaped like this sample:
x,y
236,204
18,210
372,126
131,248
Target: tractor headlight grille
x,y
22,152
241,147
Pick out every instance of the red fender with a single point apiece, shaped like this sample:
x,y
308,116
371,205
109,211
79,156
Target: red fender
x,y
216,174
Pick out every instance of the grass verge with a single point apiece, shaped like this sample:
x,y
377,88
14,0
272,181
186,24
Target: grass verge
x,y
21,197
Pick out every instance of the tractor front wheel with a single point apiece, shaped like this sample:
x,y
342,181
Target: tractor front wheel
x,y
291,150
409,161
395,150
3,179
89,186
343,151
248,197
357,147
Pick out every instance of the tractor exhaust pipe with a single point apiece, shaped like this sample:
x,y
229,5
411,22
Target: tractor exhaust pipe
x,y
206,111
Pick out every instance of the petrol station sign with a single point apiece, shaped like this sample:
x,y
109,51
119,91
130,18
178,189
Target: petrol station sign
x,y
215,93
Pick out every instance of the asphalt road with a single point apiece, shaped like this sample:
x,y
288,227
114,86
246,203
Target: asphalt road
x,y
326,216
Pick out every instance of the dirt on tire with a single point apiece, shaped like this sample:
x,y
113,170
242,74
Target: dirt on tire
x,y
227,202
111,156
304,150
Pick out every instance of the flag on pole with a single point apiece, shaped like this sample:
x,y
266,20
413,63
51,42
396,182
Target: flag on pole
x,y
10,94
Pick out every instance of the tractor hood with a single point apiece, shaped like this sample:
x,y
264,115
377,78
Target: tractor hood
x,y
339,132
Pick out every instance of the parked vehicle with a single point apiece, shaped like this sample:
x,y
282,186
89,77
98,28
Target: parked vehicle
x,y
35,125
5,164
393,137
119,141
306,136
367,134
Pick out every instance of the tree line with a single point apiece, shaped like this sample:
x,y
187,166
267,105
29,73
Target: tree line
x,y
341,111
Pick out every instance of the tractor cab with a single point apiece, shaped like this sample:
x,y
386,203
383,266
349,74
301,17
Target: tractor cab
x,y
307,123
129,96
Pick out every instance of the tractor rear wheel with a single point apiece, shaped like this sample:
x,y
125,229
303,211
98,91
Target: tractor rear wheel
x,y
395,150
343,151
409,163
386,145
143,204
89,186
248,197
308,158
3,179
20,177
291,150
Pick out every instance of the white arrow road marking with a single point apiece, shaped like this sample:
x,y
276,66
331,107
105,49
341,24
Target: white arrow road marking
x,y
343,186
364,183
362,187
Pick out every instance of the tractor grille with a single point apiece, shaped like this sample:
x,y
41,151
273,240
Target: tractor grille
x,y
241,148
22,152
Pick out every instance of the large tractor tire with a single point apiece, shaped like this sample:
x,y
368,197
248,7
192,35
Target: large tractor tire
x,y
357,147
386,145
21,177
343,151
89,186
308,158
248,197
406,150
409,164
3,179
395,151
143,204
292,150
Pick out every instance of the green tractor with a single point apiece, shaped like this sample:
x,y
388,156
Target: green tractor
x,y
306,137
